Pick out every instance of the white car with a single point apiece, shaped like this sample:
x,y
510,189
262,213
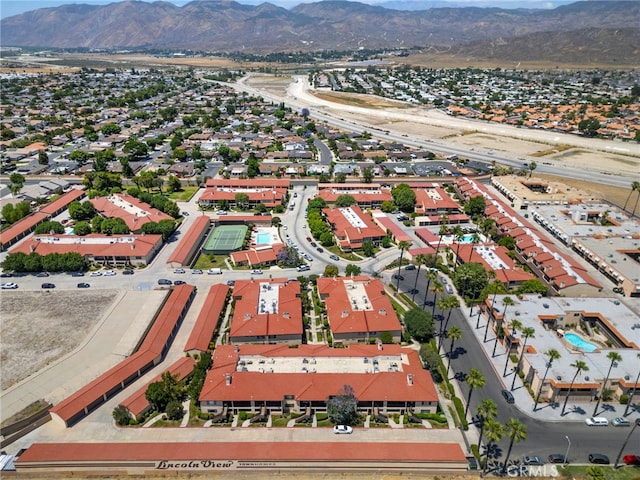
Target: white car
x,y
342,429
109,273
9,286
256,272
596,421
179,270
95,274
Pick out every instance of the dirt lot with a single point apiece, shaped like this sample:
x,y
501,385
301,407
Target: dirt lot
x,y
38,328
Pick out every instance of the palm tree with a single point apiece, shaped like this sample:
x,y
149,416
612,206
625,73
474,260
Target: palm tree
x,y
633,391
635,206
421,259
475,238
517,432
614,357
449,303
553,355
507,302
403,245
532,167
431,275
487,410
458,234
580,366
494,433
474,379
437,288
454,333
515,326
444,229
634,186
527,332
491,274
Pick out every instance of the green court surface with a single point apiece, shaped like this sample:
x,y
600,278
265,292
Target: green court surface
x,y
225,239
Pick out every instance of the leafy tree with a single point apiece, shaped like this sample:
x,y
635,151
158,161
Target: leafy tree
x,y
82,211
326,239
174,410
288,257
82,228
475,206
17,182
135,149
431,361
276,221
121,415
343,407
48,227
242,200
114,226
368,249
341,177
404,197
127,171
345,201
43,158
532,286
159,394
253,166
367,174
110,129
387,206
352,269
317,203
386,338
508,242
589,126
174,184
331,271
79,156
470,280
179,154
419,324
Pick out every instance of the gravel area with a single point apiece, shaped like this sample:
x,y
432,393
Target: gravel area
x,y
37,328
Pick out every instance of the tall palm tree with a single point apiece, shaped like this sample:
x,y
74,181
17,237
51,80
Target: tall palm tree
x,y
403,245
487,410
532,167
491,275
515,326
633,391
475,379
431,275
553,354
458,235
527,333
615,358
421,259
494,433
634,186
580,366
454,333
517,432
475,238
449,303
507,302
635,206
437,288
444,229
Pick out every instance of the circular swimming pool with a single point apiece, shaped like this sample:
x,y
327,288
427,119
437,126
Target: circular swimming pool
x,y
578,342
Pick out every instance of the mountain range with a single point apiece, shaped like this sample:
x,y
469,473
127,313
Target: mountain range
x,y
228,26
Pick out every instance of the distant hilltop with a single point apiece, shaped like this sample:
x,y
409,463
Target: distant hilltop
x,y
228,26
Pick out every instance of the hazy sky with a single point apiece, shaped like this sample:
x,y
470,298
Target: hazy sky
x,y
14,7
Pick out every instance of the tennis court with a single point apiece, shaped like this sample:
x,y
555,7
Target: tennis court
x,y
225,239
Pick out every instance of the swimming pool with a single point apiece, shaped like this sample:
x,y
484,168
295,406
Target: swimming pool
x,y
580,343
264,238
466,238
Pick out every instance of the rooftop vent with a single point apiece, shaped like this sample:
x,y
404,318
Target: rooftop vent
x,y
228,378
409,379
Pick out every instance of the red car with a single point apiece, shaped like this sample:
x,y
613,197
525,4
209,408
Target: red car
x,y
631,459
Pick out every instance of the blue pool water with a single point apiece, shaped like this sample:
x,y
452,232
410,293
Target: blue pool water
x,y
578,342
264,238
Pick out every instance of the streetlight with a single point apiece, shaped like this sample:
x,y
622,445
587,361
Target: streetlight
x,y
615,465
566,455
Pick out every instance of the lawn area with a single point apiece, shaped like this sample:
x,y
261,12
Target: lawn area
x,y
580,471
347,256
205,262
183,195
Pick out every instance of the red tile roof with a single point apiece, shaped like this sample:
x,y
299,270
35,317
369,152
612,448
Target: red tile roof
x,y
63,201
344,319
397,232
208,319
184,249
248,321
19,228
249,182
349,234
145,213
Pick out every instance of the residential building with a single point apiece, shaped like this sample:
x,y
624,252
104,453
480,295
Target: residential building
x,y
267,191
366,195
128,208
352,227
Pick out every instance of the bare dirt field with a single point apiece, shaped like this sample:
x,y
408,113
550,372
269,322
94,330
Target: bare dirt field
x,y
38,328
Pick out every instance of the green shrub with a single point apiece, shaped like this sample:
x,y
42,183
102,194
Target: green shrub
x,y
475,451
624,398
460,410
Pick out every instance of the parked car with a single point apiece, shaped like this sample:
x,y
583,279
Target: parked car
x,y
164,281
185,214
508,396
314,244
599,458
109,273
631,460
319,249
303,268
95,274
83,285
231,283
196,271
256,272
342,429
596,421
410,267
532,460
77,274
398,277
6,274
179,270
48,285
557,458
179,282
214,271
413,291
127,272
42,274
308,239
9,286
621,422
308,257
334,257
